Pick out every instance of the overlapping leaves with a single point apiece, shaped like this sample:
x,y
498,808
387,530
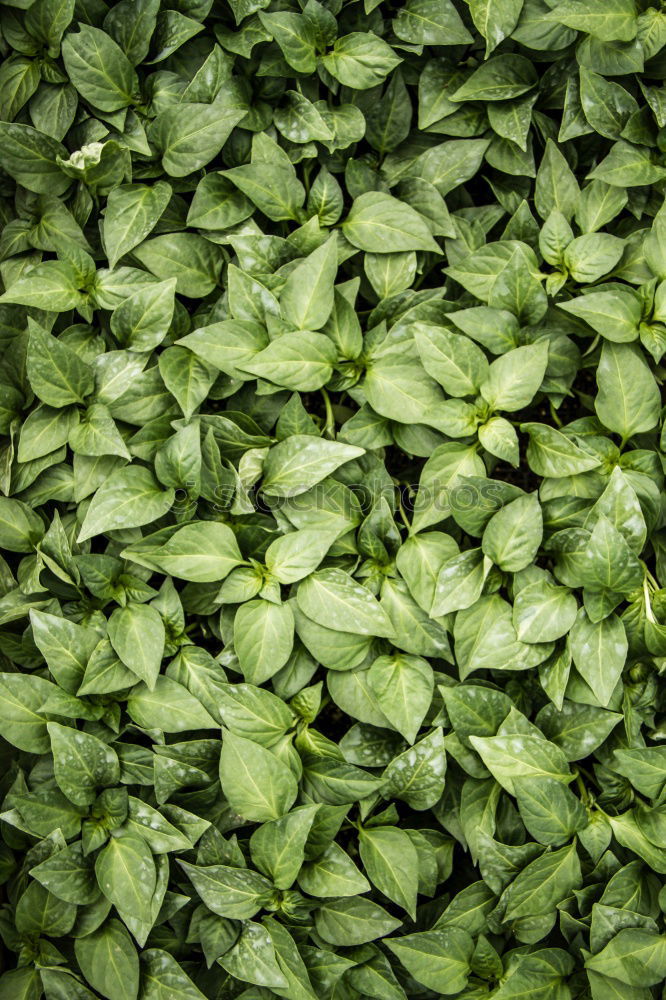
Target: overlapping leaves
x,y
333,589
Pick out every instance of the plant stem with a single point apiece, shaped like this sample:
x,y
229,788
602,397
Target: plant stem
x,y
329,426
403,516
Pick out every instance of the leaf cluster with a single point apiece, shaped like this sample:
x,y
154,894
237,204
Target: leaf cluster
x,y
332,531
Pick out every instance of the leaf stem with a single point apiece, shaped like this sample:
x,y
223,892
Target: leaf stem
x,y
403,516
582,789
649,614
329,426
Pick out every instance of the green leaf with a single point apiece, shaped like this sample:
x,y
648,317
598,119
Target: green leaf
x,y
278,846
168,706
21,529
272,187
513,379
615,21
612,565
416,776
645,768
390,859
332,874
450,164
589,257
217,204
142,320
607,105
132,212
130,497
19,79
109,961
388,123
56,373
30,157
399,390
299,121
423,22
257,784
499,79
455,362
82,763
190,259
542,883
302,361
296,38
189,135
300,462
515,756
306,300
626,165
441,474
577,729
551,812
202,551
99,69
380,223
252,959
21,698
599,650
254,712
126,875
53,284
164,979
553,454
495,19
614,314
556,186
65,646
227,344
438,959
633,956
97,434
263,638
360,60
160,835
484,636
543,612
298,553
137,635
628,400
353,921
513,535
230,892
403,686
333,599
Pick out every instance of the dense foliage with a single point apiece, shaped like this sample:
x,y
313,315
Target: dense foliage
x,y
331,607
